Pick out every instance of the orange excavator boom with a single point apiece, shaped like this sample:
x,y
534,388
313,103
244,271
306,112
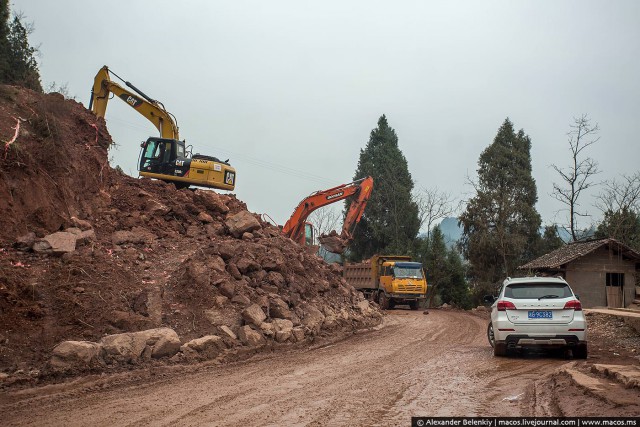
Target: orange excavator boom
x,y
360,189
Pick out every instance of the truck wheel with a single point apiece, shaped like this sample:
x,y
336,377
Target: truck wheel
x,y
414,305
383,301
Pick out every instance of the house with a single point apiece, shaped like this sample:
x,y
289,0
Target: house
x,y
601,272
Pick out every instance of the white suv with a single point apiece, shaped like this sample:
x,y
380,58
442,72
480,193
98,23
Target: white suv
x,y
537,312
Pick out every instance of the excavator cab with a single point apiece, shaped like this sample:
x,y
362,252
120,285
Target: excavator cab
x,y
162,156
309,238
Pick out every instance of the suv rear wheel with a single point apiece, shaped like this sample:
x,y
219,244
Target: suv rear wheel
x,y
500,349
580,352
490,336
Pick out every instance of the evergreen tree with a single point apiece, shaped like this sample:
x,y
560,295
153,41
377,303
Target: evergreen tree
x,y
500,224
445,271
5,51
550,240
390,222
622,225
18,65
455,289
434,260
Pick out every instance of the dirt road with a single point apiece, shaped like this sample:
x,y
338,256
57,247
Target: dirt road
x,y
438,364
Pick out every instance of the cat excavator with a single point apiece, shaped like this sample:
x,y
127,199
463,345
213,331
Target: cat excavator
x,y
165,158
299,230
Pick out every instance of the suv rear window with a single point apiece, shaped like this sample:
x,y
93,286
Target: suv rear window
x,y
537,290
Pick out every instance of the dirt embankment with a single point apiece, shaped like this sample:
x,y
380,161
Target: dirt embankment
x,y
144,255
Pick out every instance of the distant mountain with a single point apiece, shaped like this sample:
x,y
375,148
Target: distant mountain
x,y
451,230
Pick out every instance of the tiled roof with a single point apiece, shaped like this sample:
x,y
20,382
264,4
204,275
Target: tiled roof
x,y
572,251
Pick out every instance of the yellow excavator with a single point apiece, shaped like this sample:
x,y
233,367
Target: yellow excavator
x,y
165,158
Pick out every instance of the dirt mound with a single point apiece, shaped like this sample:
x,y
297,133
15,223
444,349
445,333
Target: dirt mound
x,y
146,255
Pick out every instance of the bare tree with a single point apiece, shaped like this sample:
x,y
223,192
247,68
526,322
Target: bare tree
x,y
620,195
326,219
620,207
579,175
433,205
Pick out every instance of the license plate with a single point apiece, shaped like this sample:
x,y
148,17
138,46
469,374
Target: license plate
x,y
540,314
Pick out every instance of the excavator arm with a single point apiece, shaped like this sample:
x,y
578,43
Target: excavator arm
x,y
151,109
361,190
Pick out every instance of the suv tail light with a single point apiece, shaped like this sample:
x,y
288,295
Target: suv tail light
x,y
505,305
573,305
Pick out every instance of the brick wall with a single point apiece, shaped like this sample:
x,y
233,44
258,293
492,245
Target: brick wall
x,y
587,277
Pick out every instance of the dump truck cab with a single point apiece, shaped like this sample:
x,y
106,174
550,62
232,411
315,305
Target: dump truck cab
x,y
399,280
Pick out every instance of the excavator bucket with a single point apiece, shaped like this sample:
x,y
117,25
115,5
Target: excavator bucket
x,y
333,242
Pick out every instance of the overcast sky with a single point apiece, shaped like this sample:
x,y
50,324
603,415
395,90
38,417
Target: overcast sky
x,y
290,90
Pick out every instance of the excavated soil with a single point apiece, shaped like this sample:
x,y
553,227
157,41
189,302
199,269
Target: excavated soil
x,y
158,256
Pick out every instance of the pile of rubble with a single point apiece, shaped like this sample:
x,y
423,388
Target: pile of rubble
x,y
110,271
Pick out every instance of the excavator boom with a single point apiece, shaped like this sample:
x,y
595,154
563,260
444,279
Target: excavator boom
x,y
361,190
151,109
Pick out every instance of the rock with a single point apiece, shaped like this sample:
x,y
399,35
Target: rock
x,y
212,201
85,237
276,279
224,316
228,289
445,306
215,229
217,264
228,332
269,288
279,309
228,249
298,334
246,265
154,207
136,235
282,324
235,273
250,337
220,301
312,318
242,222
61,242
254,315
205,217
75,354
199,273
247,236
73,230
24,243
364,307
81,224
126,321
273,261
41,246
208,346
241,299
130,347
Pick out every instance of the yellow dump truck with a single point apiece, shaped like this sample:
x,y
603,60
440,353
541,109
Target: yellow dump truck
x,y
389,280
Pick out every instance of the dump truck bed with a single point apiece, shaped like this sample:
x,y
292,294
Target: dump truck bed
x,y
359,275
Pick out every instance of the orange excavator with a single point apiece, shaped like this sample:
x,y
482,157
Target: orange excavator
x,y
298,229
